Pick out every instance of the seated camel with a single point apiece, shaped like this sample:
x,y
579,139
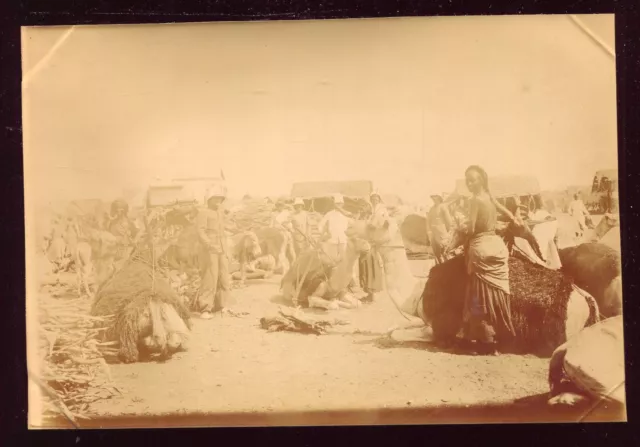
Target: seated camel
x,y
589,368
546,307
260,268
315,280
245,248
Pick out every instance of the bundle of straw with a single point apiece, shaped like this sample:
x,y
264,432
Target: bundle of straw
x,y
251,216
74,371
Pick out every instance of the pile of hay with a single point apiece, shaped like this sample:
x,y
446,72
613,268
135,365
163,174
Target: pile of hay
x,y
539,299
251,215
255,214
131,295
185,285
74,372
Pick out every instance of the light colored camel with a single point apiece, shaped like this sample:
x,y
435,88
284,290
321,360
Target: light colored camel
x,y
576,237
607,222
406,291
245,248
590,366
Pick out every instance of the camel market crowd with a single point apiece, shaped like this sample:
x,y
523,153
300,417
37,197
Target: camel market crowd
x,y
138,278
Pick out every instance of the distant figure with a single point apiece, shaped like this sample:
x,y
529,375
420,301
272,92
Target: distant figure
x,y
57,247
187,244
281,221
300,226
545,232
333,227
370,266
122,227
72,235
579,212
439,226
459,213
215,278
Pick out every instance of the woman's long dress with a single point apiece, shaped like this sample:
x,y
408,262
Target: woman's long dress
x,y
487,310
370,264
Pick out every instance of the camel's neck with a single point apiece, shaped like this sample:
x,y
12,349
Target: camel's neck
x,y
343,272
403,288
397,270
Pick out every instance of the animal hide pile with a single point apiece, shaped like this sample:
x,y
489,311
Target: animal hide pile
x,y
295,321
539,298
128,295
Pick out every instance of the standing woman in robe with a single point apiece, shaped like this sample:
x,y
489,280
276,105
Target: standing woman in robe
x,y
487,309
371,275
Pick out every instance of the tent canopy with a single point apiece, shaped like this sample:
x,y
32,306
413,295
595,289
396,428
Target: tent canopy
x,y
502,187
313,190
318,195
168,194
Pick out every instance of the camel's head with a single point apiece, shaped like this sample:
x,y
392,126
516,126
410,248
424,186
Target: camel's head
x,y
251,244
357,234
360,245
607,222
611,219
383,230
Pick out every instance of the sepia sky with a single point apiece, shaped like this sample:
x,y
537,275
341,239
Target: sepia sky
x,y
407,103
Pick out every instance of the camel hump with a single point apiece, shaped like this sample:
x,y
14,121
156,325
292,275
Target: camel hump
x,y
414,229
590,260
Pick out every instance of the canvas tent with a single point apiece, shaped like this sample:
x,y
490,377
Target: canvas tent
x,y
317,196
508,190
198,186
171,194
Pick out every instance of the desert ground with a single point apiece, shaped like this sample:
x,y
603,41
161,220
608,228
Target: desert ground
x,y
235,373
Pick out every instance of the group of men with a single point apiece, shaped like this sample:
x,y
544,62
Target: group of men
x,y
295,228
367,275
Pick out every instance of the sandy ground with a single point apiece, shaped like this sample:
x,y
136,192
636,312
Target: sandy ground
x,y
235,368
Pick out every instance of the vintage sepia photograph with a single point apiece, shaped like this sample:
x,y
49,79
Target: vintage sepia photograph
x,y
323,222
